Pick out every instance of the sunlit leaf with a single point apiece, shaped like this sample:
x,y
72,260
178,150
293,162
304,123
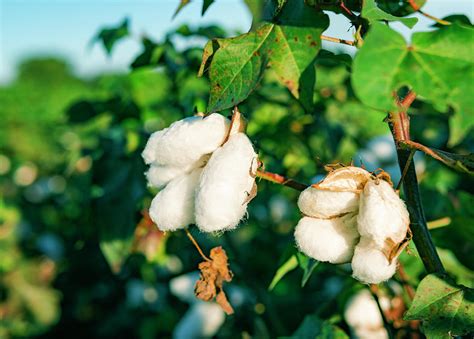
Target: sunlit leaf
x,y
446,309
437,65
285,268
371,12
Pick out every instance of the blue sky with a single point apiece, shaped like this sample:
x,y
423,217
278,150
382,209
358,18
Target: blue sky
x,y
65,27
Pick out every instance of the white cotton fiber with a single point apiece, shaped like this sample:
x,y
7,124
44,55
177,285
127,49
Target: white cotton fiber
x,y
319,203
186,140
331,240
173,207
369,263
158,175
363,316
225,185
350,178
336,194
382,214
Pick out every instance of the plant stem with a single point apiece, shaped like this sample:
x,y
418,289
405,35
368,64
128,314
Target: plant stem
x,y
400,126
190,236
279,179
374,291
341,41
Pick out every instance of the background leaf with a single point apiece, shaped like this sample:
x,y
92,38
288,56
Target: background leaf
x,y
438,66
109,36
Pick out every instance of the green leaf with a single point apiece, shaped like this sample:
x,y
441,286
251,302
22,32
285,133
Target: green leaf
x,y
371,12
285,268
151,55
400,8
205,6
313,327
111,35
182,4
288,48
307,265
438,66
446,309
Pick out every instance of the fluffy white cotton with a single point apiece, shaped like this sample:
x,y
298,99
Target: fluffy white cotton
x,y
158,175
363,316
319,203
186,140
369,263
225,185
350,178
202,320
173,207
382,214
336,194
331,240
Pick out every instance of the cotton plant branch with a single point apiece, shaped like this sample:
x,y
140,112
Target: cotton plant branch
x,y
337,40
279,179
399,124
429,16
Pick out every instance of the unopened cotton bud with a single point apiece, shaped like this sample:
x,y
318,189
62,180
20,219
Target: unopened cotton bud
x,y
369,263
331,240
186,140
226,184
173,207
158,175
337,194
382,214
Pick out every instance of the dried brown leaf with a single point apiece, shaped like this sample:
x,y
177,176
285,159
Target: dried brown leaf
x,y
213,275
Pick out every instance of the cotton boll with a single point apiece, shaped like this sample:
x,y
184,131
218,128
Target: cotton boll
x,y
158,175
382,214
369,263
363,316
336,194
173,207
186,140
324,204
331,240
350,178
225,185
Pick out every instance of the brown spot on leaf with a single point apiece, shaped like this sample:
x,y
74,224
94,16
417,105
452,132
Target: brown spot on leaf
x,y
295,38
256,53
313,43
290,84
213,275
309,37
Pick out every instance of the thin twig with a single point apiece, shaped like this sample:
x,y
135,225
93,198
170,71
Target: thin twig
x,y
190,236
415,6
405,169
279,179
340,41
405,282
374,291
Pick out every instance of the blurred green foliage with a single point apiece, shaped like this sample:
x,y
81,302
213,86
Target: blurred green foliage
x,y
78,255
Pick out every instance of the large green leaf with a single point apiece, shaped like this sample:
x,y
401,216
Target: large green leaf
x,y
371,12
288,48
285,268
438,66
446,309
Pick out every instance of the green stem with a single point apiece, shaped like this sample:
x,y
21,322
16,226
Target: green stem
x,y
399,124
421,235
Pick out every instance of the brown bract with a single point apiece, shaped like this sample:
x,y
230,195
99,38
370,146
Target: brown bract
x,y
214,273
